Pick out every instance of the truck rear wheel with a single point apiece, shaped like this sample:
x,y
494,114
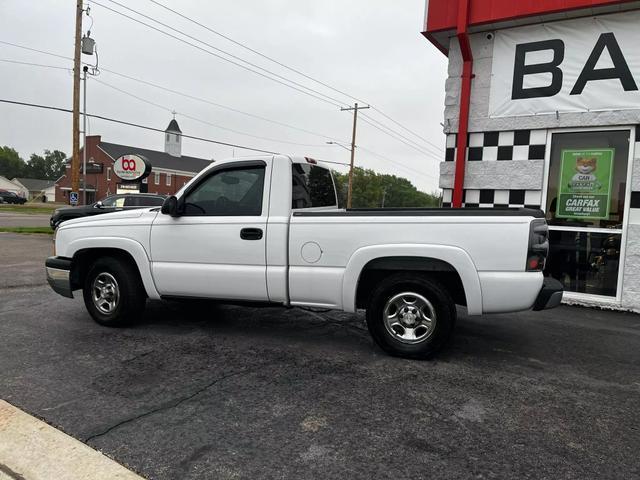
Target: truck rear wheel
x,y
113,292
410,315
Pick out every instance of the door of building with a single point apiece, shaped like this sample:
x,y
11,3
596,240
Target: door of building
x,y
586,208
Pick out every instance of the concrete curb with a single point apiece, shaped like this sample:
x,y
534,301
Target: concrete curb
x,y
32,450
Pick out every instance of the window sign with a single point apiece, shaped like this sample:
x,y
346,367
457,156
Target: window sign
x,y
585,183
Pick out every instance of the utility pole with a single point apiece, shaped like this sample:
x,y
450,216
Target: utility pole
x,y
75,159
84,135
355,109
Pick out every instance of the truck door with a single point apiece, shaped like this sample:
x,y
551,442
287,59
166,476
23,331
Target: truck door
x,y
217,247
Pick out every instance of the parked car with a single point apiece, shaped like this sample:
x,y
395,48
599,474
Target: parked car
x,y
11,197
268,230
112,203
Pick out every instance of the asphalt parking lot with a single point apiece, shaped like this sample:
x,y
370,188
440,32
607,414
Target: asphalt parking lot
x,y
198,390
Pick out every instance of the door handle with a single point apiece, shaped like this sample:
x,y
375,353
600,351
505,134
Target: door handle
x,y
251,234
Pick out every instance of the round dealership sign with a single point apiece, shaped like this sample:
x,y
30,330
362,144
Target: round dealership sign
x,y
131,167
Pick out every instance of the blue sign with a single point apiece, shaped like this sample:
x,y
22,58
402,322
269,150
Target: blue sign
x,y
73,198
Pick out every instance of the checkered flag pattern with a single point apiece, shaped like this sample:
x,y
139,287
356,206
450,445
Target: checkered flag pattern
x,y
501,146
488,198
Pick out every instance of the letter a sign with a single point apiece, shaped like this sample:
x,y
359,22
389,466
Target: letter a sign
x,y
580,65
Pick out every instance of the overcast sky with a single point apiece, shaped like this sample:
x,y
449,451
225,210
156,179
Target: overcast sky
x,y
371,49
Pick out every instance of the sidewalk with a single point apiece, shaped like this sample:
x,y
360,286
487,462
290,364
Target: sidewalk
x,y
32,450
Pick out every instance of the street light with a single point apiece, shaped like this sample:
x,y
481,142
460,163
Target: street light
x,y
339,144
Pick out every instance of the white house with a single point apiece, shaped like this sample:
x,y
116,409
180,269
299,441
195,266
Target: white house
x,y
6,184
35,189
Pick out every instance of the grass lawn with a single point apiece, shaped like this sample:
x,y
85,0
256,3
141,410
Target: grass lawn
x,y
30,208
28,230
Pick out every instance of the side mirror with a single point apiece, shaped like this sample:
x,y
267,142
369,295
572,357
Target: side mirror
x,y
170,206
98,205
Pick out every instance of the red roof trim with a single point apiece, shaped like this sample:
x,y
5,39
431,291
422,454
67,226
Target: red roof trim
x,y
442,15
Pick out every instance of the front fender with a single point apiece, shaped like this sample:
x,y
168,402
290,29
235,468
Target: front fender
x,y
456,257
132,247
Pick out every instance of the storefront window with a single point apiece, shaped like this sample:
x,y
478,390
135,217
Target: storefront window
x,y
587,179
585,262
585,209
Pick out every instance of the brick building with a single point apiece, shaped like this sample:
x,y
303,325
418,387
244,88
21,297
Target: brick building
x,y
170,170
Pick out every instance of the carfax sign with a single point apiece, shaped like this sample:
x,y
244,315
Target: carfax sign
x,y
585,183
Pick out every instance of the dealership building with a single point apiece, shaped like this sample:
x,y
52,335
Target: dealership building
x,y
166,172
542,109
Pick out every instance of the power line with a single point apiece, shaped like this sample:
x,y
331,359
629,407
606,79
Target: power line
x,y
131,124
219,105
400,137
251,135
34,50
176,92
423,152
407,168
368,120
328,99
438,148
288,67
6,60
206,122
240,44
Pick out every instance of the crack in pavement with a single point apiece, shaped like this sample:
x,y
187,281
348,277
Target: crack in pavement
x,y
350,325
173,404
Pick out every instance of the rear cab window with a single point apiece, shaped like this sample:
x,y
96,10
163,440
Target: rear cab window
x,y
312,187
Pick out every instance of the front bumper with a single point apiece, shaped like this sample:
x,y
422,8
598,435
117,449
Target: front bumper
x,y
59,275
550,295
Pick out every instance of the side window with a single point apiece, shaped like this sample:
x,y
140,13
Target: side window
x,y
312,187
134,201
229,192
153,201
109,201
119,202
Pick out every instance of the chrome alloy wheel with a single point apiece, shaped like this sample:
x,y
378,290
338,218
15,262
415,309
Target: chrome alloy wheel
x,y
105,293
409,317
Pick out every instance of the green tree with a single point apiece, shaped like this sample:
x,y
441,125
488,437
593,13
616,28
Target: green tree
x,y
372,190
11,165
51,166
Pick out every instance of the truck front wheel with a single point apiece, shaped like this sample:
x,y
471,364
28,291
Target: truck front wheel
x,y
410,315
113,292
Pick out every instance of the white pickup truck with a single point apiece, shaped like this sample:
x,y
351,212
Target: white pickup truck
x,y
268,230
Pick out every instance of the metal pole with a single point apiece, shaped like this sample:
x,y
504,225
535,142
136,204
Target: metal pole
x,y
355,109
75,154
84,137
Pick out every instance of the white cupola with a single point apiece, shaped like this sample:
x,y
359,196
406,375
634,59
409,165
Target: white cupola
x,y
173,139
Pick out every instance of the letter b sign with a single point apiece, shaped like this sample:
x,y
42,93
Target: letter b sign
x,y
553,67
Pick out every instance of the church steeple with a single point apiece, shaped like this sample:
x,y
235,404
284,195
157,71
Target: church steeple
x,y
173,139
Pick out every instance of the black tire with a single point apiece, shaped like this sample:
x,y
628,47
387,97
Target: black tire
x,y
131,298
428,340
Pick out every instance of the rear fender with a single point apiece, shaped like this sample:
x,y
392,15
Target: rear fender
x,y
456,257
